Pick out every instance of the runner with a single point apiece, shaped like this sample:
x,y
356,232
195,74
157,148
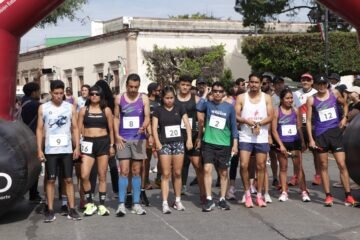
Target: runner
x,y
132,117
84,96
57,122
220,130
96,122
254,112
170,143
286,130
328,134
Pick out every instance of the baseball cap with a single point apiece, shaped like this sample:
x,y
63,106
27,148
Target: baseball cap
x,y
321,78
307,75
334,76
353,89
200,80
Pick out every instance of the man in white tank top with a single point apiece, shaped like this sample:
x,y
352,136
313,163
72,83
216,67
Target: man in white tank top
x,y
57,121
254,112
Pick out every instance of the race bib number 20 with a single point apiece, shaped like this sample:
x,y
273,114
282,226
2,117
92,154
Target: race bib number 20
x,y
172,131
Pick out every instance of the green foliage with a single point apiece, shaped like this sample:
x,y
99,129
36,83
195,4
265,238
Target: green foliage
x,y
227,79
197,15
165,65
292,55
66,10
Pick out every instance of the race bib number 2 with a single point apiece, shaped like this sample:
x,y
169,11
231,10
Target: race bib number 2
x,y
58,140
172,131
86,147
327,114
131,122
217,122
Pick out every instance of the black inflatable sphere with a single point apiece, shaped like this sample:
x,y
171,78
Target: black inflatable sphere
x,y
352,148
19,166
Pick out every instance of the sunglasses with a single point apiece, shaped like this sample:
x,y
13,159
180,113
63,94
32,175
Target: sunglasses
x,y
94,94
218,91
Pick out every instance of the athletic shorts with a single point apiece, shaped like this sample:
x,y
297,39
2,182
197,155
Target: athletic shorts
x,y
101,146
193,152
133,150
62,161
291,146
254,147
331,140
218,155
172,148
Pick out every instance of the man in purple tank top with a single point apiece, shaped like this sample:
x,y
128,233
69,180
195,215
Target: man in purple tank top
x,y
328,134
131,119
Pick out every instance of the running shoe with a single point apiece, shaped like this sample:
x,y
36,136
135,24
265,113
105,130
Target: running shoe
x,y
138,210
223,205
143,198
329,201
267,198
194,182
293,181
253,189
209,206
64,210
350,201
90,209
305,196
103,211
49,216
183,190
275,182
260,202
179,206
230,195
128,201
121,212
248,201
283,197
73,215
165,208
317,180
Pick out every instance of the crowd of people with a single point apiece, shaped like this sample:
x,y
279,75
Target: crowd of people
x,y
216,128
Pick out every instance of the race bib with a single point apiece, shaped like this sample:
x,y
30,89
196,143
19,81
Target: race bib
x,y
86,147
172,131
131,122
183,124
288,130
327,114
217,122
58,140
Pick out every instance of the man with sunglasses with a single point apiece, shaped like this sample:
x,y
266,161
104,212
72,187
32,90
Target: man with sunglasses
x,y
220,129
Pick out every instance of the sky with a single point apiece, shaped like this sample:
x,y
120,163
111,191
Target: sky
x,y
109,9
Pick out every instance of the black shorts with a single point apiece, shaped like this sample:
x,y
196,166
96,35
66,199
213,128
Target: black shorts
x,y
291,146
220,156
101,146
193,152
305,134
331,140
62,161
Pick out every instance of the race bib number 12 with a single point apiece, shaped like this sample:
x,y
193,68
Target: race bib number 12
x,y
327,114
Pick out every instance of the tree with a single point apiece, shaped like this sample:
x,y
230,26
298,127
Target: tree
x,y
258,12
66,10
197,15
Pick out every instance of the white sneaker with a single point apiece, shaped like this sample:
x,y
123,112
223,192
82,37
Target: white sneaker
x,y
138,210
283,197
165,208
179,206
305,196
267,198
120,212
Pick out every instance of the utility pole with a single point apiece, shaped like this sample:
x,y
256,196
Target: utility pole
x,y
326,34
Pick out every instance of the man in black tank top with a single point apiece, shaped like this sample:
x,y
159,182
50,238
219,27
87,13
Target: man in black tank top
x,y
189,101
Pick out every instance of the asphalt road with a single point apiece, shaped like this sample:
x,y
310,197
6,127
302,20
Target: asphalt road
x,y
289,220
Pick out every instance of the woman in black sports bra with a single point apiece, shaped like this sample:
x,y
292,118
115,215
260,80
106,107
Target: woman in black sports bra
x,y
95,124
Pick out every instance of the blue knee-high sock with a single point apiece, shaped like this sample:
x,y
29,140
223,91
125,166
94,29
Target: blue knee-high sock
x,y
136,186
123,184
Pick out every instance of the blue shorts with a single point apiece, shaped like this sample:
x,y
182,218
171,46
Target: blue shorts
x,y
254,147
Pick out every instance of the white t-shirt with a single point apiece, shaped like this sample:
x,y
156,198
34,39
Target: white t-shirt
x,y
300,102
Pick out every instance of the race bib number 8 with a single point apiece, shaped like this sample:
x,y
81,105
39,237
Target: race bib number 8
x,y
86,147
288,130
172,131
58,140
131,122
327,114
217,122
183,124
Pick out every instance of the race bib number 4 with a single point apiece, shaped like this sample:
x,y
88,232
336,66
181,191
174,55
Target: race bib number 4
x,y
58,140
288,130
327,114
217,122
86,147
131,122
172,131
183,124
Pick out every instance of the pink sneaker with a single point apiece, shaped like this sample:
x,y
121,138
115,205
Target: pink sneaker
x,y
248,201
260,202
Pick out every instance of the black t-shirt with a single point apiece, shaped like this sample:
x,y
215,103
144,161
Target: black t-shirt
x,y
170,123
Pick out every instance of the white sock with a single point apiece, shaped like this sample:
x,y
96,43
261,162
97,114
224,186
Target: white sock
x,y
177,199
209,198
222,198
165,203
